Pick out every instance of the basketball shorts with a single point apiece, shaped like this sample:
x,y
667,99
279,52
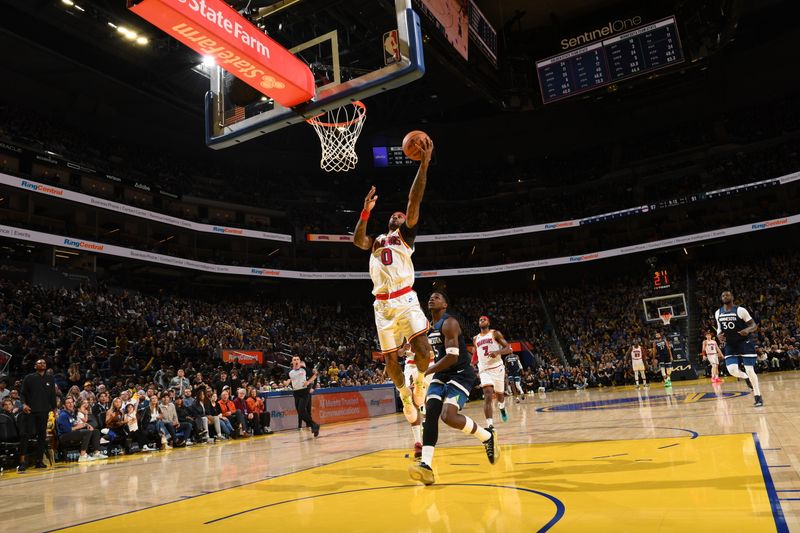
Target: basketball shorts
x,y
397,319
638,365
713,359
514,376
451,388
739,348
494,377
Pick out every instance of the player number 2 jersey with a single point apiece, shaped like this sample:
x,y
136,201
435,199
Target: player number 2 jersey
x,y
390,265
484,345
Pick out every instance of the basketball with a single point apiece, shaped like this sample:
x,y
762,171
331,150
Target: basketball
x,y
410,144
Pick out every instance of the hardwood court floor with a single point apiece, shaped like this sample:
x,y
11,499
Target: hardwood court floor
x,y
599,460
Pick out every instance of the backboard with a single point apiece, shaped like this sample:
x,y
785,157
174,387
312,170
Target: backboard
x,y
675,304
354,48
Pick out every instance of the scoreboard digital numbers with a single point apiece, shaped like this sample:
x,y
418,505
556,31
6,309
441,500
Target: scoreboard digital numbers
x,y
651,47
661,279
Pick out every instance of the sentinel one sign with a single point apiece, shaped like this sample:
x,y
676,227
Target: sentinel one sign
x,y
213,28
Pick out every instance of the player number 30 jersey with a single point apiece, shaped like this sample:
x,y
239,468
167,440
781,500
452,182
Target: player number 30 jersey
x,y
390,265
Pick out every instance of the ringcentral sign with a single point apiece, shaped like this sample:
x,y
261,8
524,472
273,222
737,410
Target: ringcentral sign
x,y
213,28
607,29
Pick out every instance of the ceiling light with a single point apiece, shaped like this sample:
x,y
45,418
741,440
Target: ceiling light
x,y
131,35
122,29
79,8
209,61
112,24
142,40
68,2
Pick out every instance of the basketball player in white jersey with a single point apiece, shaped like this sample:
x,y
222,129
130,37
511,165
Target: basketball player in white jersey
x,y
637,362
490,347
410,372
711,353
397,311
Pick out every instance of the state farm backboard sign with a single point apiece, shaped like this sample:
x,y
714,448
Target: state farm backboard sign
x,y
213,28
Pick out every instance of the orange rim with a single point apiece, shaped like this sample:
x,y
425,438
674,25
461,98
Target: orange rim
x,y
359,116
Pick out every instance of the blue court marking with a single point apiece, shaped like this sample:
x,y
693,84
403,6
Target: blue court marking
x,y
777,512
560,508
631,402
668,446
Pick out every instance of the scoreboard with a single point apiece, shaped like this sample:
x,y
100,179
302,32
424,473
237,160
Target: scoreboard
x,y
390,156
651,47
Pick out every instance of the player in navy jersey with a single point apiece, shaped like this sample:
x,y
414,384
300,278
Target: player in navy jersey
x,y
453,378
663,351
514,378
734,326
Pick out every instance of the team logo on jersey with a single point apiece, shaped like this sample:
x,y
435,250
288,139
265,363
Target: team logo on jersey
x,y
644,401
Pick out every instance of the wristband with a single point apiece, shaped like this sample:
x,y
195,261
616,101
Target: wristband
x,y
452,351
364,215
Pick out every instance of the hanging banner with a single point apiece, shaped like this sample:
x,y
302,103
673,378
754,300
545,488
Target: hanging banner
x,y
213,28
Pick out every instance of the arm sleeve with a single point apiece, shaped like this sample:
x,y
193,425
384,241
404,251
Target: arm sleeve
x,y
744,314
716,318
409,234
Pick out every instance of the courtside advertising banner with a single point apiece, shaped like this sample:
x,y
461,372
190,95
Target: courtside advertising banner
x,y
243,357
212,28
328,406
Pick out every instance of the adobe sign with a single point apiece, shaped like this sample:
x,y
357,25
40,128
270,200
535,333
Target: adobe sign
x,y
213,28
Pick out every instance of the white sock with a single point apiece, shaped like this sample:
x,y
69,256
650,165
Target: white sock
x,y
404,391
663,372
427,455
519,388
489,422
480,433
636,377
751,373
417,431
501,405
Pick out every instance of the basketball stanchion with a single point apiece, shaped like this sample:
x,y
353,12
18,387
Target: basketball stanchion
x,y
338,131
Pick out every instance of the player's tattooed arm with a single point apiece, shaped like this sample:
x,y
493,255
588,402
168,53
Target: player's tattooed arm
x,y
418,187
751,328
505,348
360,237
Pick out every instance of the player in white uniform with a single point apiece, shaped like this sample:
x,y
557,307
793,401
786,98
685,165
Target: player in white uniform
x,y
711,353
490,347
398,315
637,362
410,372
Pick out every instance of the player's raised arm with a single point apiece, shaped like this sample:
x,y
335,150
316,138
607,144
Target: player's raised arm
x,y
418,187
451,330
360,237
505,348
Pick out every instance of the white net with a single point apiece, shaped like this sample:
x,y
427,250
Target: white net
x,y
338,131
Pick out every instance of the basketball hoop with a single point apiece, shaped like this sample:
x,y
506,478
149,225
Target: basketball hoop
x,y
666,317
338,131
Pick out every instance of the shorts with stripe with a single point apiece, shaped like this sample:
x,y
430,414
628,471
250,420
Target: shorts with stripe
x,y
451,388
397,319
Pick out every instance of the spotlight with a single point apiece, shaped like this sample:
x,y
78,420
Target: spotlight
x,y
131,35
68,2
209,61
142,40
